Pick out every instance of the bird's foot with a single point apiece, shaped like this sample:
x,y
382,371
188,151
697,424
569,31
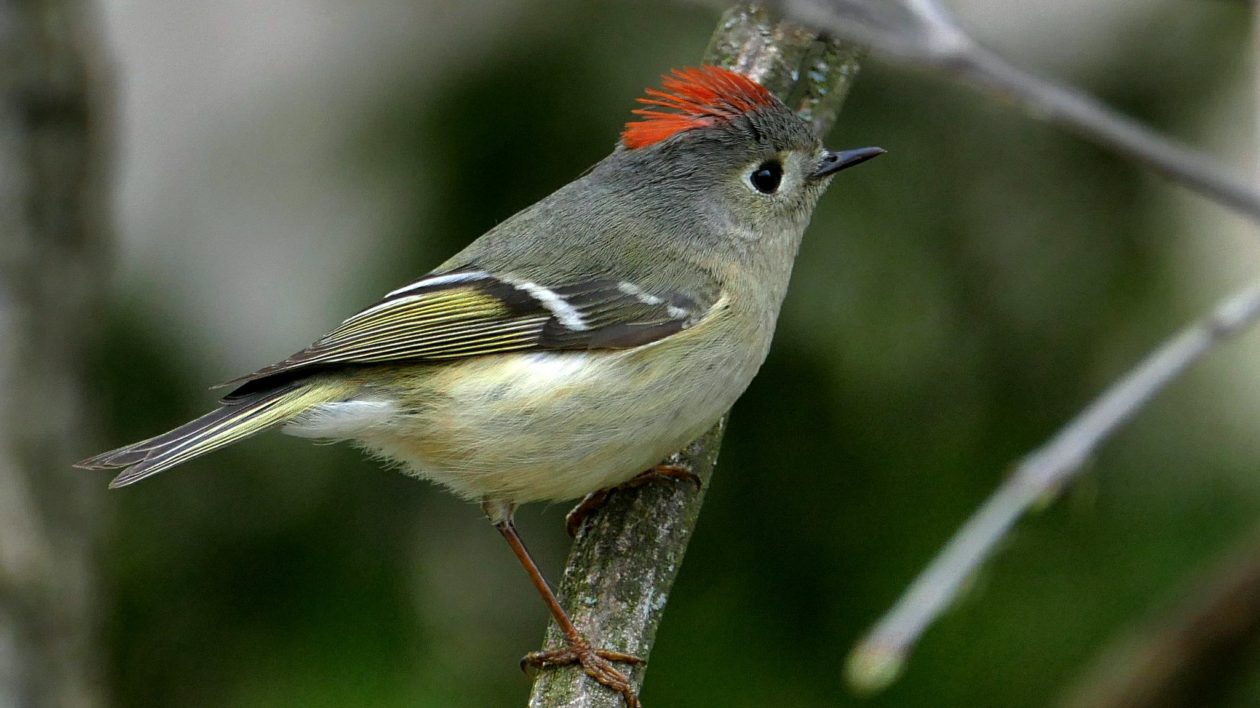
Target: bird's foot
x,y
596,663
596,499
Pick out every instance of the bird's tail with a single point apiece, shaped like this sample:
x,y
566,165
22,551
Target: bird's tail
x,y
235,420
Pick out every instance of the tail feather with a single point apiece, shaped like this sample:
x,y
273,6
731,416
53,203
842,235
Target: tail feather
x,y
232,422
138,452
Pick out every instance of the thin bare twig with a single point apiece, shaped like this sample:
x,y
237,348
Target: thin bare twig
x,y
1195,653
922,33
878,658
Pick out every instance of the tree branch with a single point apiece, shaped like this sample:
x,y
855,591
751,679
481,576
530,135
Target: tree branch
x,y
1200,651
922,33
878,658
623,564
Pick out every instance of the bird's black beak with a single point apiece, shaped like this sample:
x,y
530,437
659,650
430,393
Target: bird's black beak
x,y
833,162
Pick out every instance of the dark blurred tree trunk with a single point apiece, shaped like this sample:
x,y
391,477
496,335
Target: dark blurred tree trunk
x,y
52,230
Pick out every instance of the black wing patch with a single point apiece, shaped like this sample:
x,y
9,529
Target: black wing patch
x,y
472,313
617,315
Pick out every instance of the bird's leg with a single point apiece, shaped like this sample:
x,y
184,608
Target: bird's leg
x,y
596,663
596,499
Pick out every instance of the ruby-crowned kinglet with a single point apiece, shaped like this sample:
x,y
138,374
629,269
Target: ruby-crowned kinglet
x,y
574,345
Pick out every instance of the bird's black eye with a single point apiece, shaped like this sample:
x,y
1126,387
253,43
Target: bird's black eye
x,y
766,177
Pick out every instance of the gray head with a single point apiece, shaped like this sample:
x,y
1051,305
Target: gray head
x,y
726,145
715,169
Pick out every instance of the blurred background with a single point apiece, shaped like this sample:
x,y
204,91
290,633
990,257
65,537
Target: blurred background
x,y
274,165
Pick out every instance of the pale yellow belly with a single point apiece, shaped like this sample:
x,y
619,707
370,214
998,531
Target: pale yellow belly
x,y
549,425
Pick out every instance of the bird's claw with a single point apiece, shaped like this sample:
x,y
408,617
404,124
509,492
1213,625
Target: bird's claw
x,y
596,663
592,502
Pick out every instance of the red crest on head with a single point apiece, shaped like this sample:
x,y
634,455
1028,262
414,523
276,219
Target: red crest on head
x,y
694,98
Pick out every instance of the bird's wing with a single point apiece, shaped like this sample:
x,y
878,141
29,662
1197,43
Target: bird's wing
x,y
470,312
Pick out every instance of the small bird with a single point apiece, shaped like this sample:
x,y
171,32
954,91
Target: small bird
x,y
573,346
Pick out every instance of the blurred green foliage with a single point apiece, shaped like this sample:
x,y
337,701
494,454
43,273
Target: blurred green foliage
x,y
954,303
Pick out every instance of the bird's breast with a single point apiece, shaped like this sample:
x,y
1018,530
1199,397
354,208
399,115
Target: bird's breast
x,y
557,425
